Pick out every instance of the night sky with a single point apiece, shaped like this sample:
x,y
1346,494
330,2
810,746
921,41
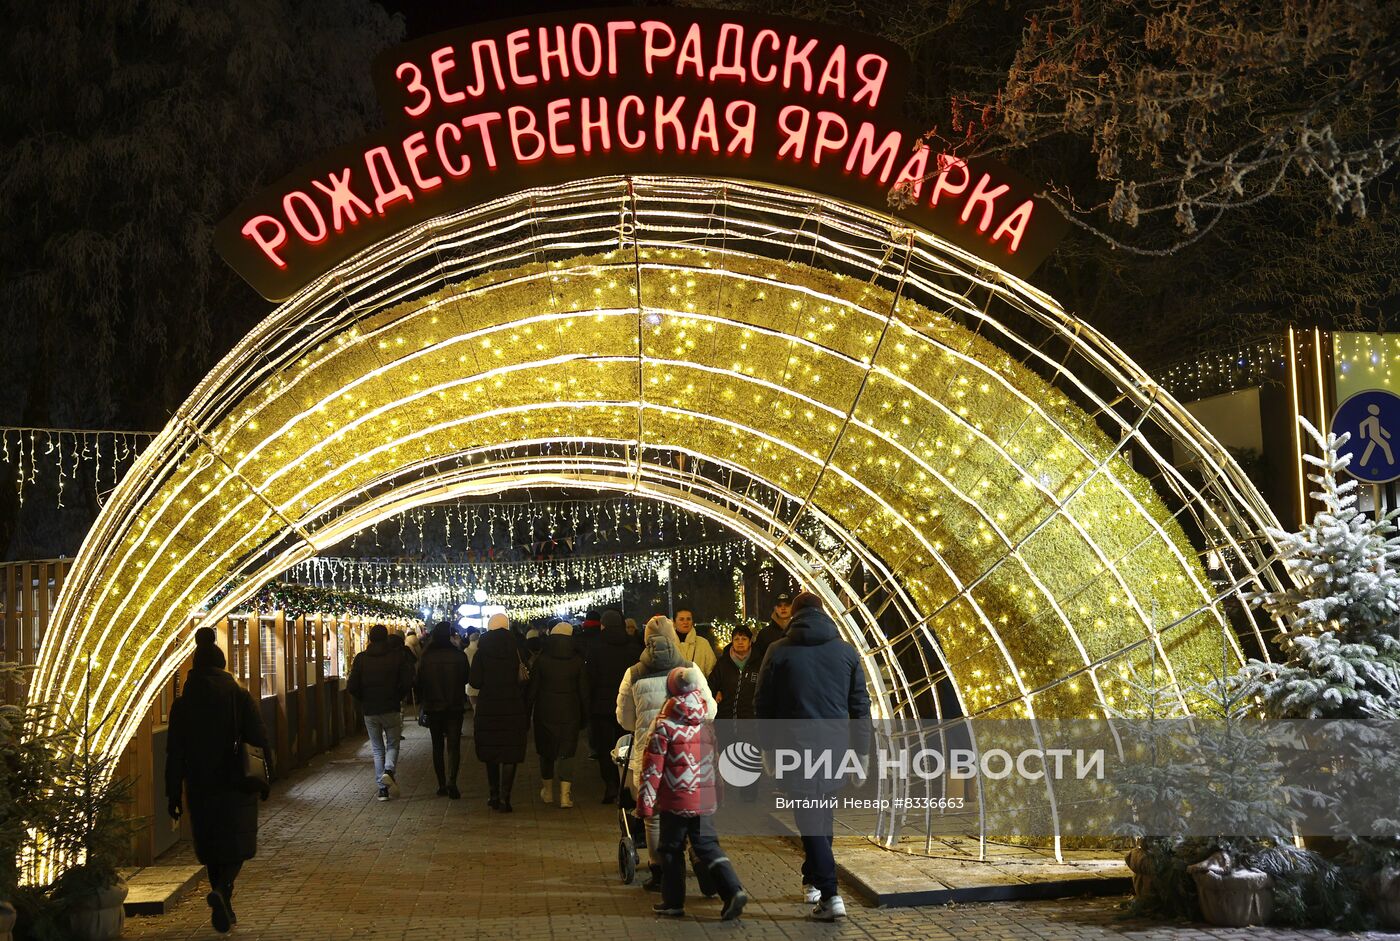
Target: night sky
x,y
425,17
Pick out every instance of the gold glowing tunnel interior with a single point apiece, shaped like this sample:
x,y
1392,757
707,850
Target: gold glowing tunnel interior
x,y
983,485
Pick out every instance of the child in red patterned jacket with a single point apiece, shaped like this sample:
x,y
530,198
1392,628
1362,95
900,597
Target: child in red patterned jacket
x,y
678,782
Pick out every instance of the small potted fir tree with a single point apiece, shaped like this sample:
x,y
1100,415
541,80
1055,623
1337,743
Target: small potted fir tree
x,y
1249,805
91,832
1151,787
27,761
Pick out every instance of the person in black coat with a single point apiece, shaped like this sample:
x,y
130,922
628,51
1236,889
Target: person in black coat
x,y
501,719
380,678
611,655
812,674
400,643
211,716
558,698
441,688
775,630
734,679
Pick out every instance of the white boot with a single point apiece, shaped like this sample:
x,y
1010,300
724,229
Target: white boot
x,y
547,790
566,797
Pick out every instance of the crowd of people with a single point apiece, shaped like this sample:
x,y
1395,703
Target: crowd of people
x,y
666,684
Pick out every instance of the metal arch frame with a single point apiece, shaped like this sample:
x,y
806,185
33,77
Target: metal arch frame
x,y
507,232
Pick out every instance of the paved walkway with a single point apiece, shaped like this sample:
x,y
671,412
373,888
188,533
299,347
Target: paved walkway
x,y
334,863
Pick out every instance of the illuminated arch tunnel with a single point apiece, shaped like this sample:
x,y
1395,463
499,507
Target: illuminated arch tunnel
x,y
984,486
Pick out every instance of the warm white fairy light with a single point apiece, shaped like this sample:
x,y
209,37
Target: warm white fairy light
x,y
1216,372
67,456
971,495
436,600
391,579
1364,361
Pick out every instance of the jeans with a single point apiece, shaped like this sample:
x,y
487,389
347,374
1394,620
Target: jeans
x,y
384,731
564,767
445,728
818,864
675,830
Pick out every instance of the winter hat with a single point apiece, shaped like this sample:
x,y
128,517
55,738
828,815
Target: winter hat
x,y
207,655
378,634
563,627
743,630
497,622
611,619
661,626
442,632
680,681
806,599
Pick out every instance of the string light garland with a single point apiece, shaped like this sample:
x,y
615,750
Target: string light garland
x,y
525,528
440,601
1221,371
74,456
1363,361
298,600
302,600
546,576
949,426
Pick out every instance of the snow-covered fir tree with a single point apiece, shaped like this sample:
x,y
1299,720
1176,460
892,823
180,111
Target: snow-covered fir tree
x,y
1339,638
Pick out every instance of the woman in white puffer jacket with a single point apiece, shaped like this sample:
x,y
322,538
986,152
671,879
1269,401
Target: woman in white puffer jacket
x,y
639,699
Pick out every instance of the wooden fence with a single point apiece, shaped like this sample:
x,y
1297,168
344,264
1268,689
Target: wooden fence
x,y
295,668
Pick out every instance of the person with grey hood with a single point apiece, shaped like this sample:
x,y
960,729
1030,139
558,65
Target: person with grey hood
x,y
640,697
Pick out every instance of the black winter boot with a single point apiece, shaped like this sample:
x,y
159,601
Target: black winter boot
x,y
653,883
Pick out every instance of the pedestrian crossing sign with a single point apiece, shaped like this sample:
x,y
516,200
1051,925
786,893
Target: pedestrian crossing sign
x,y
1372,419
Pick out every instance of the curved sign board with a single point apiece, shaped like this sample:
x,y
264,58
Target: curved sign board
x,y
489,110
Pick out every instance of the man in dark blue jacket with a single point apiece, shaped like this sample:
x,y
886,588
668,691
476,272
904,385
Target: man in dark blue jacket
x,y
811,674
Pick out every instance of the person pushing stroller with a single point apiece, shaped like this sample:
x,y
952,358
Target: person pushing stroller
x,y
678,782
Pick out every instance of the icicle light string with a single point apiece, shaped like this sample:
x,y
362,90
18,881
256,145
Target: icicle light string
x,y
70,454
1222,371
528,523
557,576
439,601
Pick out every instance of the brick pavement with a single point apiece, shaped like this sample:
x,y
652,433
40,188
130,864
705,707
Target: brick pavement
x,y
334,863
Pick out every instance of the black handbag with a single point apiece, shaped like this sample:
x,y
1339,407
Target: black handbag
x,y
251,761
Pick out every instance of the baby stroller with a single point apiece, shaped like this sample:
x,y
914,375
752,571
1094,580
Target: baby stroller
x,y
634,834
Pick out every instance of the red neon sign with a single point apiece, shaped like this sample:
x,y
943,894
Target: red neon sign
x,y
475,114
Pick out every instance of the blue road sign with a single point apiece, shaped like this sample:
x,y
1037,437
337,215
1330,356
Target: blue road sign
x,y
1372,418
